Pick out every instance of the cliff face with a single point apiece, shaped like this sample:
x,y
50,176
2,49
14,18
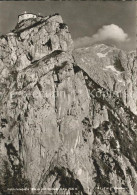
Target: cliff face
x,y
113,69
59,127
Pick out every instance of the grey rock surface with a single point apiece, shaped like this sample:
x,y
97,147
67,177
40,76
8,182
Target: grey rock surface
x,y
67,117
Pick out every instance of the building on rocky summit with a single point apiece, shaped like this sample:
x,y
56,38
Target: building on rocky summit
x,y
26,16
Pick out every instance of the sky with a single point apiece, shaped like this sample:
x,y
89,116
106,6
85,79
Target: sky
x,y
111,22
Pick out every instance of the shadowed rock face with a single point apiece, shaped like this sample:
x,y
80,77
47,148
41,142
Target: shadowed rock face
x,y
67,121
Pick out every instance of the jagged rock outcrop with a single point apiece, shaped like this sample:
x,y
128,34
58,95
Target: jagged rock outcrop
x,y
57,134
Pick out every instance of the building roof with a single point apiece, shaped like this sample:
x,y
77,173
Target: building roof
x,y
26,14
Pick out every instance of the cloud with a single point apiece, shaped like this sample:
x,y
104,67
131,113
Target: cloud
x,y
111,31
107,32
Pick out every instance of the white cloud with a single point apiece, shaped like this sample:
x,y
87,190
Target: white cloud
x,y
107,32
111,31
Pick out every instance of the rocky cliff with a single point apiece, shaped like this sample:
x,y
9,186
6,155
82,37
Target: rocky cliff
x,y
68,121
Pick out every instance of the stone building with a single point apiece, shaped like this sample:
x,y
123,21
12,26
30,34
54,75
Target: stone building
x,y
25,16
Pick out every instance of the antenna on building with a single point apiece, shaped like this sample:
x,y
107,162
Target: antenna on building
x,y
25,12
